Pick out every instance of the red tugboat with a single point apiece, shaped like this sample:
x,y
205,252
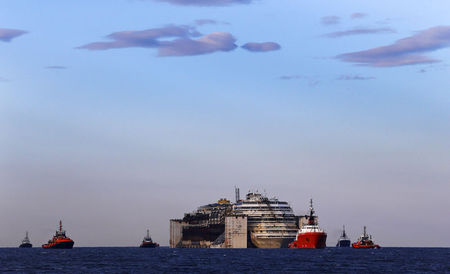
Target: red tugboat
x,y
60,240
148,242
365,241
310,235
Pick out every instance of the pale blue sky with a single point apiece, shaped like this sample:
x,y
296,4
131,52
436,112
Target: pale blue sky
x,y
120,140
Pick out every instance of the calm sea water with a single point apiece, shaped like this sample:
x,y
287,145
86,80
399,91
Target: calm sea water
x,y
127,260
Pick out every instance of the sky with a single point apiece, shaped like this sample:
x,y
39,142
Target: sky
x,y
118,115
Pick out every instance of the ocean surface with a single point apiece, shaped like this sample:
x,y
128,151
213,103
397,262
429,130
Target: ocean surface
x,y
133,260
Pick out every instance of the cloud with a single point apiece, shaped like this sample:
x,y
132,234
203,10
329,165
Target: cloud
x,y
206,2
216,41
312,81
6,35
406,51
360,31
358,15
330,20
354,77
3,79
56,67
182,43
261,47
202,22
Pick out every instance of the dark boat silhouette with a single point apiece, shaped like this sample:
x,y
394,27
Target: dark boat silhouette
x,y
26,242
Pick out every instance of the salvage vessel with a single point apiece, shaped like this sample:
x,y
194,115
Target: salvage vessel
x,y
365,241
310,235
59,240
26,242
148,242
343,241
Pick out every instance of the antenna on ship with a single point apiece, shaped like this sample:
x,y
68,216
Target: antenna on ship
x,y
311,212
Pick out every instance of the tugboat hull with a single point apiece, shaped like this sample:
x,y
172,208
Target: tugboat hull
x,y
310,240
149,245
59,245
26,245
343,243
362,246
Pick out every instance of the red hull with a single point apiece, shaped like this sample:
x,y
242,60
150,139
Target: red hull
x,y
310,240
358,245
60,243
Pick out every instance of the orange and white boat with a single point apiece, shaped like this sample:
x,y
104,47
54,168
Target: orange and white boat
x,y
310,235
365,241
60,240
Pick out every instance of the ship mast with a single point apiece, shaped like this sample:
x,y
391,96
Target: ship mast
x,y
311,213
365,235
343,232
60,226
148,234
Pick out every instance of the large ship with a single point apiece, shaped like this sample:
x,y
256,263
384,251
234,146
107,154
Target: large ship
x,y
148,242
201,228
271,223
310,235
343,241
60,240
254,222
365,241
26,242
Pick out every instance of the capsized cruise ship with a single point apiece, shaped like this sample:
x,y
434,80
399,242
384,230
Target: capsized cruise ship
x,y
271,223
256,221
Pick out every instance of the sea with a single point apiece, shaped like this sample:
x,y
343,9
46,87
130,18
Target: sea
x,y
166,260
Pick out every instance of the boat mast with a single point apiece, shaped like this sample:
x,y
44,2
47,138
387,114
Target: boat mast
x,y
148,234
365,235
311,213
60,226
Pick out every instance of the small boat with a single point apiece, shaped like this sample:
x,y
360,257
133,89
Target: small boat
x,y
310,235
26,242
148,242
60,240
365,241
343,241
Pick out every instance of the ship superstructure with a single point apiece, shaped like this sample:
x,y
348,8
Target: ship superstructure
x,y
271,223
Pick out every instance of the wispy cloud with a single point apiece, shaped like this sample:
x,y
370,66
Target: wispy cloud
x,y
206,2
312,81
330,20
354,77
201,22
184,41
359,31
406,51
2,79
6,35
358,15
261,47
56,67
